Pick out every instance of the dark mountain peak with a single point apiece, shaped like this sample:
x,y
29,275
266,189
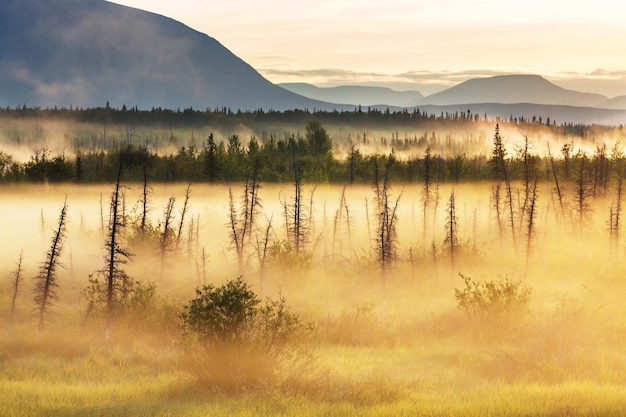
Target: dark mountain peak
x,y
87,52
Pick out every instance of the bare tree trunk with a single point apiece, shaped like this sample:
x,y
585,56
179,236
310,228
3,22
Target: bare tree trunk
x,y
182,215
452,230
557,187
530,227
116,255
17,281
45,287
144,200
167,221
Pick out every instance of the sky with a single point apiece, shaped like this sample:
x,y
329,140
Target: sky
x,y
416,45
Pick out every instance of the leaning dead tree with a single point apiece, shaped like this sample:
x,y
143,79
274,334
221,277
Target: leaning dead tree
x,y
17,282
116,255
182,215
45,291
168,233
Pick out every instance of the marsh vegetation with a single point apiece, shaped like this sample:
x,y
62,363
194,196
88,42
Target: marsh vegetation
x,y
502,296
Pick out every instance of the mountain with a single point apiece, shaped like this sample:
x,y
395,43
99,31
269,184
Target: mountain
x,y
558,114
357,95
510,89
87,52
618,102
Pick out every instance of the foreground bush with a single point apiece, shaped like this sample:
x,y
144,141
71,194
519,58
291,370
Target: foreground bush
x,y
493,307
234,340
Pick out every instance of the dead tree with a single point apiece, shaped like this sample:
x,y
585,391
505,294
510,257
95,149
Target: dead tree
x,y
116,256
182,215
452,230
17,281
528,174
352,163
45,291
262,247
501,172
386,237
242,220
531,214
582,191
252,202
617,159
566,151
166,235
600,170
615,215
427,188
339,215
557,187
237,228
298,232
496,204
144,200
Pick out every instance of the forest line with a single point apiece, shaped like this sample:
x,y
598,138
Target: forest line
x,y
454,147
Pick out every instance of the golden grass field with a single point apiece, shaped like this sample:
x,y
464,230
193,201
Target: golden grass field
x,y
388,344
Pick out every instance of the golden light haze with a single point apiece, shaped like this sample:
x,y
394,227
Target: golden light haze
x,y
425,46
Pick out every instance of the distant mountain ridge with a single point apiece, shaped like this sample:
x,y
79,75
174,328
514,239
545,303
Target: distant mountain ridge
x,y
618,102
357,95
511,89
87,52
509,96
543,112
523,91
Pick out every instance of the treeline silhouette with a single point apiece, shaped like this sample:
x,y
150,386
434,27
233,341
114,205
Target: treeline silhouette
x,y
271,158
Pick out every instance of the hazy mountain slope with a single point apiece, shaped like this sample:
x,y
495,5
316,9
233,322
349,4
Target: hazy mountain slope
x,y
357,95
87,52
513,89
618,102
558,114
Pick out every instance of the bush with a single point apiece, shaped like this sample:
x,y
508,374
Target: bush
x,y
493,306
283,255
235,341
137,307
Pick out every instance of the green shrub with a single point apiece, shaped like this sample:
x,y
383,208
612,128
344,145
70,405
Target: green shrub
x,y
493,306
137,307
283,255
235,341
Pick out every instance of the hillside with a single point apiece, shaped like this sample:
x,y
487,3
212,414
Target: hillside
x,y
87,52
528,111
510,89
357,95
618,102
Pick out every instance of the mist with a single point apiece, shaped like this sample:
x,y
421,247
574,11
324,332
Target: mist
x,y
410,293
